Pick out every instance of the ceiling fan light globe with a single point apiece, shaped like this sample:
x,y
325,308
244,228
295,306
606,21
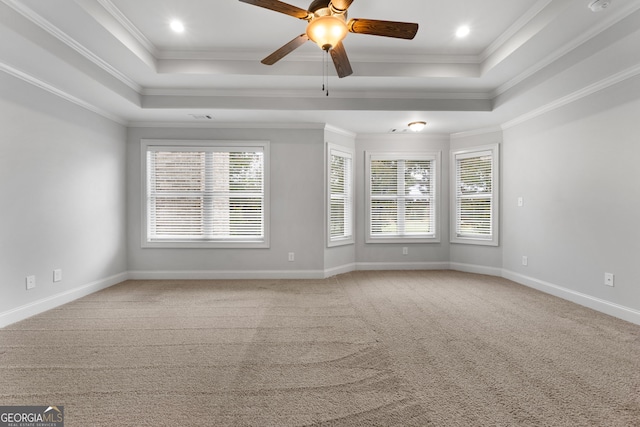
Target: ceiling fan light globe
x,y
327,31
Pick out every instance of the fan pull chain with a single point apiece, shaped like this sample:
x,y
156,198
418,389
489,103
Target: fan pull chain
x,y
324,59
325,72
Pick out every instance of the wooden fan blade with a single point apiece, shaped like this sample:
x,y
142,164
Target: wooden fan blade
x,y
341,5
281,7
340,60
398,30
285,50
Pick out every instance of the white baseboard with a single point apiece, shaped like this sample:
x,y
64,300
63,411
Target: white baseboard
x,y
347,268
603,306
598,304
25,311
282,274
478,269
36,307
226,274
402,266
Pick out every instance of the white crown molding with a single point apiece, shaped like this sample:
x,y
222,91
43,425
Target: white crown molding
x,y
307,93
575,96
416,59
517,26
251,55
59,93
226,125
616,16
417,136
129,26
210,55
248,93
475,132
339,131
70,42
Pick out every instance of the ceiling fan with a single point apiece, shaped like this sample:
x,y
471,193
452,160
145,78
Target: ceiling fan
x,y
328,26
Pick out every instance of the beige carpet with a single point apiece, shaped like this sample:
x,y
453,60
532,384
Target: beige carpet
x,y
419,348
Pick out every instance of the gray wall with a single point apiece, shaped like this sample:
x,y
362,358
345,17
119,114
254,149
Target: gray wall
x,y
62,187
297,210
577,169
387,255
70,191
478,258
339,259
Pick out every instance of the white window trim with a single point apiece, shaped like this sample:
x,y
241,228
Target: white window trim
x,y
333,149
208,144
419,155
494,239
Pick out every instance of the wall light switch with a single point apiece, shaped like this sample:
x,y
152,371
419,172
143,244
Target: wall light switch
x,y
525,260
57,275
520,202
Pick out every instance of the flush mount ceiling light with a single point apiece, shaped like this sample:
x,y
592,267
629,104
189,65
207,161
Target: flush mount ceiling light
x,y
417,126
328,26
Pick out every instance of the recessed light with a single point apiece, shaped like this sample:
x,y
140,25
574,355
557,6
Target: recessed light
x,y
463,31
177,26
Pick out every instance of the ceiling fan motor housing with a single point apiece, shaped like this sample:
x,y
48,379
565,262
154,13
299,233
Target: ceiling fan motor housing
x,y
316,5
327,26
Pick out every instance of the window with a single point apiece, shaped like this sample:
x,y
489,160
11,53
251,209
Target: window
x,y
340,196
205,194
474,200
402,197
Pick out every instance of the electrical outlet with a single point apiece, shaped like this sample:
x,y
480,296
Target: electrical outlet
x,y
608,279
405,251
520,201
525,260
292,256
31,282
57,275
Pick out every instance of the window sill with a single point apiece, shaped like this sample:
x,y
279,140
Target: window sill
x,y
474,241
340,242
204,245
397,239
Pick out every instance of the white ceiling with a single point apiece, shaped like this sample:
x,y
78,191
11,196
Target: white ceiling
x,y
120,59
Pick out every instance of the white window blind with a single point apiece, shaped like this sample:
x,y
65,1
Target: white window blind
x,y
340,196
402,196
475,198
205,194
